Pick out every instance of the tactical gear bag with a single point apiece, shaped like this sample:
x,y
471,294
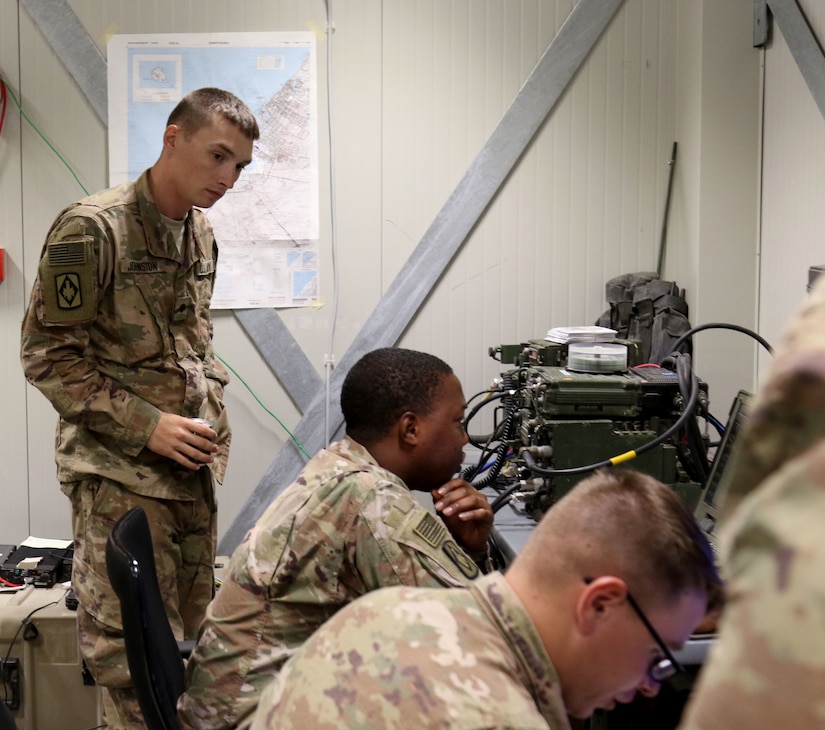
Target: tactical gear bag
x,y
644,307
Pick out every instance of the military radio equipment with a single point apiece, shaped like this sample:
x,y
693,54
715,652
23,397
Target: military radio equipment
x,y
555,422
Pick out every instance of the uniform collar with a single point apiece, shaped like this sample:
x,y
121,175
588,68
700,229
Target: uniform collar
x,y
159,241
503,606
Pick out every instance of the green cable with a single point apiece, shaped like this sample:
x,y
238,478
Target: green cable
x,y
42,136
254,395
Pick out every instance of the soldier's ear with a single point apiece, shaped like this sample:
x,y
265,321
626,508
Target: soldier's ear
x,y
597,601
170,135
409,428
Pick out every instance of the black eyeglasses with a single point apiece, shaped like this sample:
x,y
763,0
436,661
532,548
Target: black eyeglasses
x,y
659,669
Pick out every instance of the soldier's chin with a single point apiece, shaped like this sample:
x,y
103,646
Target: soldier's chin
x,y
209,199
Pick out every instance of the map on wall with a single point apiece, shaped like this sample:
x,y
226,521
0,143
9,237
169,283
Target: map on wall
x,y
267,225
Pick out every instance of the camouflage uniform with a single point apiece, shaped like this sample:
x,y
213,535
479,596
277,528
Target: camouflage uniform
x,y
345,527
418,657
767,668
768,665
117,330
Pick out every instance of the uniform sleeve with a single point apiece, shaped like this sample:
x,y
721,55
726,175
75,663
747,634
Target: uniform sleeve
x,y
401,543
54,345
767,668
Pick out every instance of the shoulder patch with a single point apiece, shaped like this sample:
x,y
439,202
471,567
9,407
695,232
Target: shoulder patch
x,y
431,530
68,281
461,559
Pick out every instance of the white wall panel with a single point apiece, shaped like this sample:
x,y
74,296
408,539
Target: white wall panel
x,y
584,203
793,183
13,444
61,113
712,234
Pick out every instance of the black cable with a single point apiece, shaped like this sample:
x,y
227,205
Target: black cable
x,y
503,432
486,451
716,423
492,396
695,459
485,447
501,453
504,497
24,624
480,393
687,412
721,325
509,387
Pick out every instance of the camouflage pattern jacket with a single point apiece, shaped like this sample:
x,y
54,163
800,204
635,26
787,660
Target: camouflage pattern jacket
x,y
418,657
767,668
345,527
117,330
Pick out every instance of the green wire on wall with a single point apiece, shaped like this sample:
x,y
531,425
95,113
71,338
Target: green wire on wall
x,y
25,116
260,403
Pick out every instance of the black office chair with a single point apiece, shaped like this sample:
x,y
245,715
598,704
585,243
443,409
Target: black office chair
x,y
154,656
6,719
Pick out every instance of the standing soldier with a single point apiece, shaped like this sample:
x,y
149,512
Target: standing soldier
x,y
118,336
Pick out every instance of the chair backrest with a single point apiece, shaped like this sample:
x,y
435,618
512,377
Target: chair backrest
x,y
152,651
6,720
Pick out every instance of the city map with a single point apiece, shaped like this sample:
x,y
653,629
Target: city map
x,y
267,225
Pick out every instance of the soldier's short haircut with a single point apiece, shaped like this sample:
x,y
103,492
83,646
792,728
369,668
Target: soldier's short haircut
x,y
624,523
196,109
386,383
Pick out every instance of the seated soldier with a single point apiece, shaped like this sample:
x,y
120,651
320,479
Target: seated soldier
x,y
612,580
346,526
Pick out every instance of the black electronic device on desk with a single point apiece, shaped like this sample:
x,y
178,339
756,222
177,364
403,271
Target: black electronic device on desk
x,y
41,567
707,511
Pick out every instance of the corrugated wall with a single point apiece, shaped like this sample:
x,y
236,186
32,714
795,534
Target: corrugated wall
x,y
417,87
584,204
793,182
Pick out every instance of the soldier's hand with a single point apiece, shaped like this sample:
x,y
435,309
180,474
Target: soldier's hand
x,y
183,440
466,512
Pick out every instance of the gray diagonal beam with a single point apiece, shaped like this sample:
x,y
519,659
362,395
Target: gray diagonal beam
x,y
445,236
282,353
802,43
74,47
761,23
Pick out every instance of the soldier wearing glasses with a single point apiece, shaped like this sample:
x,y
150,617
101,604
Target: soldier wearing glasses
x,y
614,578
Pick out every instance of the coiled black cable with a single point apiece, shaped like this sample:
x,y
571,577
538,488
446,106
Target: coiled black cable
x,y
720,325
